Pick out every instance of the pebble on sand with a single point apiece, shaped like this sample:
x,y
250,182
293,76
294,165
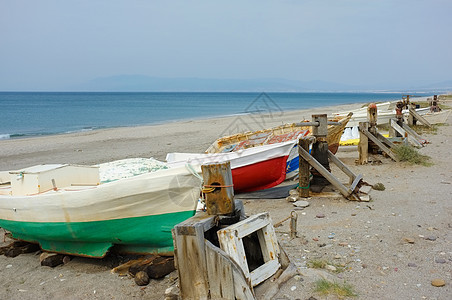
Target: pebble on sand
x,y
438,282
431,238
440,260
409,240
320,216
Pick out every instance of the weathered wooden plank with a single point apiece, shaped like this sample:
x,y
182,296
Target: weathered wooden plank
x,y
405,134
341,166
419,138
363,146
419,117
384,140
303,170
324,172
379,144
189,244
263,272
219,271
356,182
288,273
219,200
230,239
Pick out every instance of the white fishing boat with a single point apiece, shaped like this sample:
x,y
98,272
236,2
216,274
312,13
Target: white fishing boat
x,y
70,209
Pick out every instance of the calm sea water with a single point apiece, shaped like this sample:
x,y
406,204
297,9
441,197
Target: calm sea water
x,y
33,114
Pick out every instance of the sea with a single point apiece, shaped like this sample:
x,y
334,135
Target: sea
x,y
28,114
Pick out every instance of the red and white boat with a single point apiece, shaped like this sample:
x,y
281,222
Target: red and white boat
x,y
252,169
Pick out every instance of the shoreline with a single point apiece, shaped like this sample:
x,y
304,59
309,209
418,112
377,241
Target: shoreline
x,y
108,144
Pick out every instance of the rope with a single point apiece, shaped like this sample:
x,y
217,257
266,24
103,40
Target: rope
x,y
216,186
210,188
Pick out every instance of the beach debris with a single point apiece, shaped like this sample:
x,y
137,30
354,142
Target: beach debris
x,y
154,266
331,268
8,266
18,247
172,293
440,261
409,240
431,238
379,186
412,265
438,282
331,235
288,273
292,198
141,278
301,203
52,259
320,216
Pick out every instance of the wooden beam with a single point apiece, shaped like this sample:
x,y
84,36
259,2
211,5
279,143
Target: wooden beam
x,y
379,144
341,166
356,182
190,256
384,140
413,133
363,146
303,170
324,172
405,134
419,117
230,239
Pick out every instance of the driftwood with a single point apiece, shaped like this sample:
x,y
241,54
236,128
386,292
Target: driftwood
x,y
18,247
157,268
53,259
146,268
141,278
288,273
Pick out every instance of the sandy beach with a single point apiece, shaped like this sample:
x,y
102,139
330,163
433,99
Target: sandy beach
x,y
389,248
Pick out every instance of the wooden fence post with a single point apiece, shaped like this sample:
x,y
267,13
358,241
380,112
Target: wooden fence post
x,y
304,170
363,146
219,188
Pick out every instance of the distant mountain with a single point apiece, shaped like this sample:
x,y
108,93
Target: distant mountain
x,y
142,83
123,83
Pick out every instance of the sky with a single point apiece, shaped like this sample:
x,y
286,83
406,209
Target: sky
x,y
55,45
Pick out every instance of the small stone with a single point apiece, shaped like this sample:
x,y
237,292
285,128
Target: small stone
x,y
292,198
440,260
322,245
337,256
343,244
409,240
301,203
354,214
412,265
320,216
293,288
364,266
9,266
315,239
431,238
330,268
438,282
331,235
66,259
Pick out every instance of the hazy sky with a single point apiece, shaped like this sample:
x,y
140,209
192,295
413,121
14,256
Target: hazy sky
x,y
50,45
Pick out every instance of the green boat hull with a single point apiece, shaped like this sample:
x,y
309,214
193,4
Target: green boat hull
x,y
143,235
